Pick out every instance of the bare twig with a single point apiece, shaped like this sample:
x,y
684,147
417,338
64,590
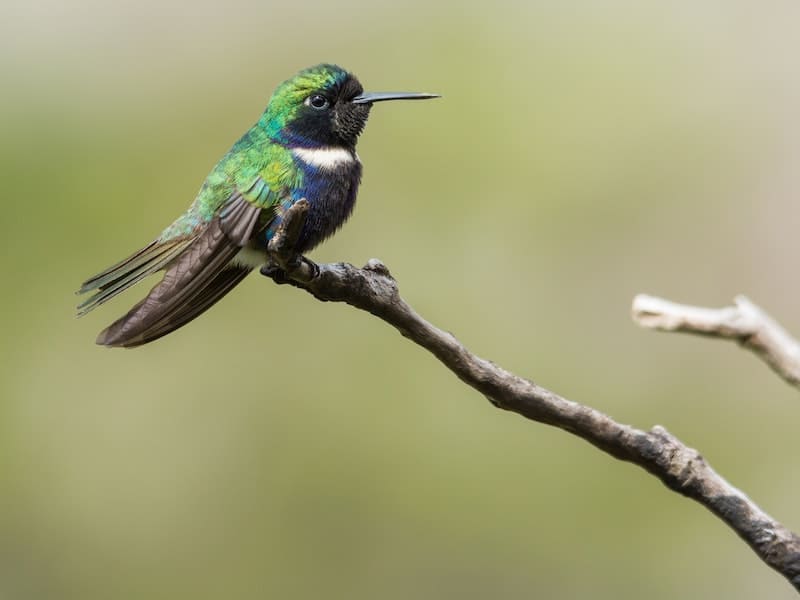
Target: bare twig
x,y
679,467
744,322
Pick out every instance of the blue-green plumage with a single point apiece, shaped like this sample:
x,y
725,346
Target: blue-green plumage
x,y
303,146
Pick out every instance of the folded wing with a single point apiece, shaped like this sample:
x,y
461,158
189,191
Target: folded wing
x,y
199,272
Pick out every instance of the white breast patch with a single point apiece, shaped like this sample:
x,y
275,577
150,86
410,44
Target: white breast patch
x,y
325,158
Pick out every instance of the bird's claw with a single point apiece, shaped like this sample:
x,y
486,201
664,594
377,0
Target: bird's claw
x,y
275,273
283,276
312,266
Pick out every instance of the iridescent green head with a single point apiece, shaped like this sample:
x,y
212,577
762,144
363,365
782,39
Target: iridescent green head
x,y
323,106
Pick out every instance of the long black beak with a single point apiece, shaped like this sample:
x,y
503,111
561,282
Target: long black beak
x,y
370,97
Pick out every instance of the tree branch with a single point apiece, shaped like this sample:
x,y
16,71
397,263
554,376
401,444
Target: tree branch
x,y
744,322
680,468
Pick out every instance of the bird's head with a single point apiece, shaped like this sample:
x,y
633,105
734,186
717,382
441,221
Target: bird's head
x,y
323,106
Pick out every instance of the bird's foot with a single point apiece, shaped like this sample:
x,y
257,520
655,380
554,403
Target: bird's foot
x,y
275,273
301,267
296,271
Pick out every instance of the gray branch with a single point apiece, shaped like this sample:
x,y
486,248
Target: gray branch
x,y
682,469
744,322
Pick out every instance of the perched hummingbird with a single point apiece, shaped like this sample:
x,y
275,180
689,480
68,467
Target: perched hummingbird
x,y
303,146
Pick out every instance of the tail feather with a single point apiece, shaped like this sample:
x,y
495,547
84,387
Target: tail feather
x,y
200,269
119,277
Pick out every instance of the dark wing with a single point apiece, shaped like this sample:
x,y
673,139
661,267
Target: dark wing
x,y
195,279
119,277
216,289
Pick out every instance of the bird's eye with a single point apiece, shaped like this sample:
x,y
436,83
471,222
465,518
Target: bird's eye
x,y
318,101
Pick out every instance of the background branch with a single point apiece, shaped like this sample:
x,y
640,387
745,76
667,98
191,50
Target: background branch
x,y
678,466
744,322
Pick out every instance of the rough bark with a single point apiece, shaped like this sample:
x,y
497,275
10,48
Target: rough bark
x,y
681,468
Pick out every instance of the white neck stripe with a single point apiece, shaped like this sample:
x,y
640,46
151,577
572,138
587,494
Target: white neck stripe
x,y
324,158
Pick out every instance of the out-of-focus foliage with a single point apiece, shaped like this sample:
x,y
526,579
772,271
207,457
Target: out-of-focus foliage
x,y
280,447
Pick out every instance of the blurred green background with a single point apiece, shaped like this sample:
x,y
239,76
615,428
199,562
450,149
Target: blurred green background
x,y
280,447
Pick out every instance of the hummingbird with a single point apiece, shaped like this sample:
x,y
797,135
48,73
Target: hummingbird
x,y
303,146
